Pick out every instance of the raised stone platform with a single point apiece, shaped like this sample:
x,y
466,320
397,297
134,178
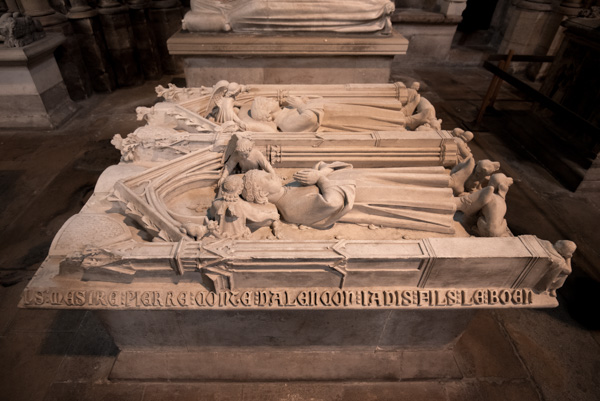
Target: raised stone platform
x,y
274,59
187,297
32,91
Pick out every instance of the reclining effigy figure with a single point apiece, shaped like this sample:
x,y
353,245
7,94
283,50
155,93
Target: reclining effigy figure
x,y
419,198
353,16
315,114
412,198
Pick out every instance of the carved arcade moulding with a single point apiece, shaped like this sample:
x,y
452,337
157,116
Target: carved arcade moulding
x,y
300,197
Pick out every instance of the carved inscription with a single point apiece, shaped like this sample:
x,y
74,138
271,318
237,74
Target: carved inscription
x,y
410,298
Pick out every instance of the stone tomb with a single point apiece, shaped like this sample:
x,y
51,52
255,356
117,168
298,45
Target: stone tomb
x,y
284,41
193,286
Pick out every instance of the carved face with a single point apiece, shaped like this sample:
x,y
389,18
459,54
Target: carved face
x,y
262,108
271,183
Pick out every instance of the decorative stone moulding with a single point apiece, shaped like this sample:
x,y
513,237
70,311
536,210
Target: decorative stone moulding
x,y
201,219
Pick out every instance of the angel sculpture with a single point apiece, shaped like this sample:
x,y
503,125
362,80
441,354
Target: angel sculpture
x,y
222,106
241,156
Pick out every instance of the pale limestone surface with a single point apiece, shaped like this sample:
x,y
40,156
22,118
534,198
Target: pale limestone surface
x,y
144,240
365,16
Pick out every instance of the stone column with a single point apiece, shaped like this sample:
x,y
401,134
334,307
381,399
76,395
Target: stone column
x,y
531,28
68,56
120,42
165,17
41,11
144,38
87,27
567,9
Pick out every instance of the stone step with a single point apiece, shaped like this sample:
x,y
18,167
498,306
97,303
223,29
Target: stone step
x,y
285,364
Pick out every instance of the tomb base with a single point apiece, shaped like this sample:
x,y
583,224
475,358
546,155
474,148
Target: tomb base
x,y
285,345
33,94
275,59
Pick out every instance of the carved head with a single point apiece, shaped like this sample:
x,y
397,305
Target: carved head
x,y
565,248
259,184
501,183
466,136
232,187
485,168
262,107
234,88
244,146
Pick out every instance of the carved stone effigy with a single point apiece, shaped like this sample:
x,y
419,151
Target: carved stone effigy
x,y
226,227
383,138
284,41
363,16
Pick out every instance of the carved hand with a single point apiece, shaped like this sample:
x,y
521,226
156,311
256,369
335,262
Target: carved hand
x,y
294,101
308,177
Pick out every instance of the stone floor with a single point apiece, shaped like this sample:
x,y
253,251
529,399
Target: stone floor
x,y
45,177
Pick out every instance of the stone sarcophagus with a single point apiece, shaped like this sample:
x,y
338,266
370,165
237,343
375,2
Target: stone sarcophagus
x,y
275,42
277,202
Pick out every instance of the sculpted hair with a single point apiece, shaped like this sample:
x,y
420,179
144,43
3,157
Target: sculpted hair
x,y
261,108
232,187
252,191
244,145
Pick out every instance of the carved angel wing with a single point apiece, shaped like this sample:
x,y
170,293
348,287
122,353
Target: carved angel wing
x,y
217,95
230,147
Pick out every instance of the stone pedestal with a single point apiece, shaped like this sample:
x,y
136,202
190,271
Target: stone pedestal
x,y
68,55
430,33
32,91
274,59
429,26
